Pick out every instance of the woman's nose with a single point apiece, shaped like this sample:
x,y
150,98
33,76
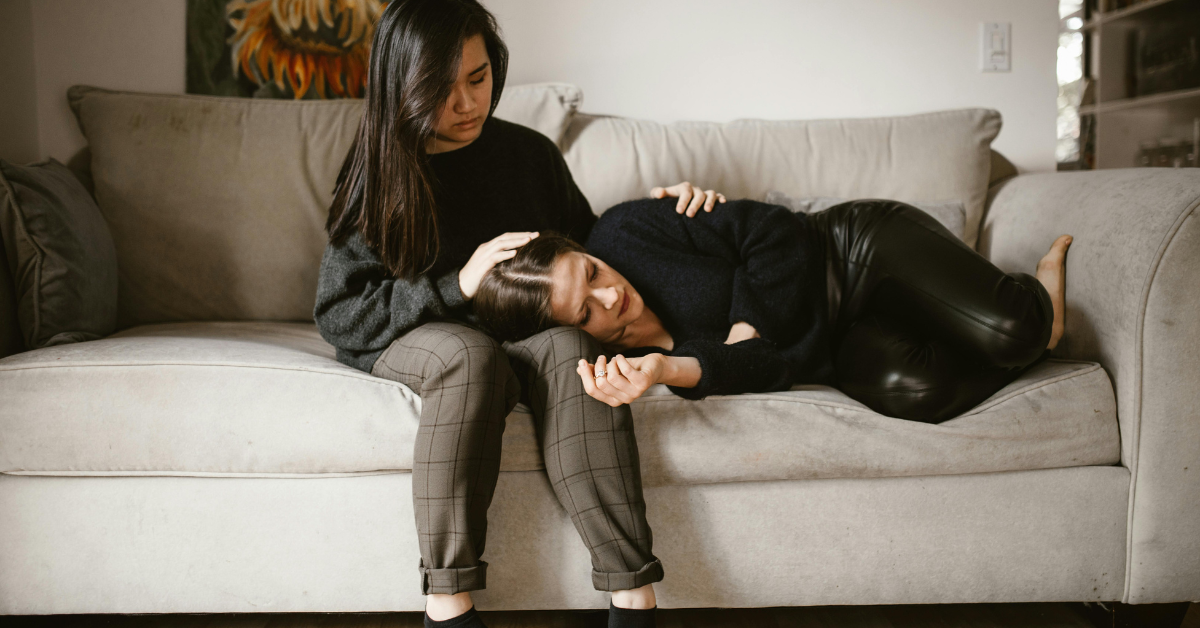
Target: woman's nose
x,y
607,297
463,102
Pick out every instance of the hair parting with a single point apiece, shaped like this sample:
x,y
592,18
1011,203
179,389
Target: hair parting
x,y
513,300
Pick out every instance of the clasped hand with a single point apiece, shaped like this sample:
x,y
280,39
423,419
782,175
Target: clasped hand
x,y
621,380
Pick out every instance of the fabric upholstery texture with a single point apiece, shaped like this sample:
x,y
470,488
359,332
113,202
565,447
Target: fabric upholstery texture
x,y
116,545
951,215
936,157
544,107
217,206
267,399
1132,303
59,253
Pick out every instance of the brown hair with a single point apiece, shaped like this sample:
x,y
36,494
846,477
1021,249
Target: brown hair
x,y
513,300
384,190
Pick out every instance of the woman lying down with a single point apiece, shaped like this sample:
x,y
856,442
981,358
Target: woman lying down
x,y
874,297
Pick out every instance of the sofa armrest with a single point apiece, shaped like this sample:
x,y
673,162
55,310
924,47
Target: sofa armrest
x,y
1133,305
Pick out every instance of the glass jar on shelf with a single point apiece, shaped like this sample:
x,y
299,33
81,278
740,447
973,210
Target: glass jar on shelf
x,y
1145,156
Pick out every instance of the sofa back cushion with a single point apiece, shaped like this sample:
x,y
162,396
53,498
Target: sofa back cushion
x,y
942,157
217,206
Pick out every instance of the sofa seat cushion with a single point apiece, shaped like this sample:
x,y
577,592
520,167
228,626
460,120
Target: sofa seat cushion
x,y
268,399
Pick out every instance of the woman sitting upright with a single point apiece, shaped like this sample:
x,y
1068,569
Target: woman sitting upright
x,y
872,296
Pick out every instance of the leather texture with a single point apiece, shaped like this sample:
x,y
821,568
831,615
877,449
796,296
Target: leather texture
x,y
940,157
925,328
268,400
201,545
1132,303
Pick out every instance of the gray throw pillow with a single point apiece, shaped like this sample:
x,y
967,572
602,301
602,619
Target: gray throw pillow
x,y
60,254
951,215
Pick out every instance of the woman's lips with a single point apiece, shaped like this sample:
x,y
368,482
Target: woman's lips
x,y
624,304
468,124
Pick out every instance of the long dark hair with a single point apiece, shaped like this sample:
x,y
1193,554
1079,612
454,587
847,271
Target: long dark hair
x,y
384,190
513,300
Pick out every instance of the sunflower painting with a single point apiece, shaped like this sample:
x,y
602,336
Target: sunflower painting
x,y
280,48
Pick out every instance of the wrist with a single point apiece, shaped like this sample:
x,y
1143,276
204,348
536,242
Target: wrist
x,y
680,371
463,288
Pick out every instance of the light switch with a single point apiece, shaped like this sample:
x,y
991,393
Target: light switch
x,y
995,54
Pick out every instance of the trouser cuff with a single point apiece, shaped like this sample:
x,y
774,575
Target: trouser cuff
x,y
626,580
452,580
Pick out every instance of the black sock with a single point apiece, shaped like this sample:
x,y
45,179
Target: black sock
x,y
630,617
469,619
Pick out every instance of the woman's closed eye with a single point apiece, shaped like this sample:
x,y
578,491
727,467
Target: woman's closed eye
x,y
593,271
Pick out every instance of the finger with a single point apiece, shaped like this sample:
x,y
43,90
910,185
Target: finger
x,y
500,256
604,382
515,235
697,202
635,377
589,384
625,390
710,199
510,239
658,192
685,196
720,197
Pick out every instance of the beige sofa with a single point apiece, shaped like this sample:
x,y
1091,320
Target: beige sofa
x,y
212,456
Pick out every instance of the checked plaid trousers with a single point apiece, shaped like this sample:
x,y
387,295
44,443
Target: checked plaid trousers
x,y
468,384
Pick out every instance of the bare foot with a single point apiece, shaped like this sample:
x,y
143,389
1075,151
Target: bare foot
x,y
1052,272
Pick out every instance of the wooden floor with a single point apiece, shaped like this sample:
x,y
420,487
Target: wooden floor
x,y
915,616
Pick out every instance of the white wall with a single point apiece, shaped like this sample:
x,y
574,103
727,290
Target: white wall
x,y
658,59
719,60
18,105
119,44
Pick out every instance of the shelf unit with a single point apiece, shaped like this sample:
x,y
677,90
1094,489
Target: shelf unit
x,y
1122,121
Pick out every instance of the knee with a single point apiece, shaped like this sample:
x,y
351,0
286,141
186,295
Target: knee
x,y
896,375
462,349
562,346
1025,329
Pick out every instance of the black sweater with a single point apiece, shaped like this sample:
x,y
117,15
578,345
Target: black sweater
x,y
510,178
744,262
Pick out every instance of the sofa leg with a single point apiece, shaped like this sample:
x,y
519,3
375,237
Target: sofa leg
x,y
1119,615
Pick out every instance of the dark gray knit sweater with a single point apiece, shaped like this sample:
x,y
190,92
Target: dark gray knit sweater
x,y
510,178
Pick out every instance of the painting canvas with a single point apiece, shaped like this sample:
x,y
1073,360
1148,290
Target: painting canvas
x,y
300,49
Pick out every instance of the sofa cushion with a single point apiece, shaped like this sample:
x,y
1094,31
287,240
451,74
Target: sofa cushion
x,y
268,399
941,157
949,214
60,254
217,206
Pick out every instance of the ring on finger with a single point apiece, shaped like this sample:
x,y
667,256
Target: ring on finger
x,y
601,373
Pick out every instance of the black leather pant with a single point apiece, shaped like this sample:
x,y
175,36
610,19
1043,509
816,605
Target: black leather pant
x,y
924,327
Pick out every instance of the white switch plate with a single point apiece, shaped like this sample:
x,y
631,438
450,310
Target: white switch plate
x,y
995,49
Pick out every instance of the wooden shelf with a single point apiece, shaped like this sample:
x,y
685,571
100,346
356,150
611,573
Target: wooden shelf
x,y
1141,101
1120,14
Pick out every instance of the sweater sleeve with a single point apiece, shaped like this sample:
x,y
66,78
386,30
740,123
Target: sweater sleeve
x,y
362,308
748,366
